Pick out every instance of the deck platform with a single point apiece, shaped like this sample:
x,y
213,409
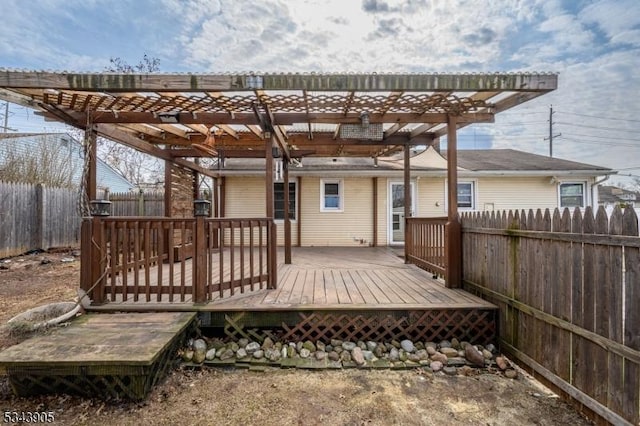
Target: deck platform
x,y
108,355
342,292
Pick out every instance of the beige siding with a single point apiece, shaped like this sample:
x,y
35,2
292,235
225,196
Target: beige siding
x,y
383,211
245,197
351,227
501,193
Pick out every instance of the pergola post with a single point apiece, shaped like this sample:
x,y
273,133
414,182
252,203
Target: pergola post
x,y
270,142
407,200
453,249
287,219
374,212
168,205
91,156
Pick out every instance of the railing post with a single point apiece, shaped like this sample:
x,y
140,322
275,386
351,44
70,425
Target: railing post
x,y
200,261
453,253
273,255
408,244
97,260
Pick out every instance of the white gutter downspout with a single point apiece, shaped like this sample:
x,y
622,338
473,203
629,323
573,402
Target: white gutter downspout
x,y
594,186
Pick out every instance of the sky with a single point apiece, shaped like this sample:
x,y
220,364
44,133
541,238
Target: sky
x,y
594,45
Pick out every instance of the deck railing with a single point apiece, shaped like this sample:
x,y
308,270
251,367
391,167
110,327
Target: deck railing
x,y
152,259
425,245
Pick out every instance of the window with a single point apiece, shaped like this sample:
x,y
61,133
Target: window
x,y
278,200
331,195
396,222
572,194
466,195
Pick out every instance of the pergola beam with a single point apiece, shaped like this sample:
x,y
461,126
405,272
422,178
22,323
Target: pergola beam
x,y
106,82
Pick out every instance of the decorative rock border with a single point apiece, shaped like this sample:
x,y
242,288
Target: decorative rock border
x,y
446,357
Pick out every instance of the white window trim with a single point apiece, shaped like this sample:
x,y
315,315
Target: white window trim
x,y
297,201
340,183
474,201
585,192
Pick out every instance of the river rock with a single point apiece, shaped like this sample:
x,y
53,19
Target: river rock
x,y
338,349
242,353
252,347
402,355
304,353
258,354
445,344
368,355
491,348
474,356
227,354
440,357
284,351
413,357
333,356
379,351
357,356
511,374
502,363
435,366
487,354
198,356
272,354
371,345
335,343
345,356
467,371
234,346
200,345
431,350
455,343
361,345
187,355
394,355
348,346
422,354
408,346
395,344
320,346
450,371
419,346
449,352
243,342
217,344
457,361
211,354
309,346
320,355
267,343
291,351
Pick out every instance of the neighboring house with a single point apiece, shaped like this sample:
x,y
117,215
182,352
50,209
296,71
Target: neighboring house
x,y
332,199
611,196
63,148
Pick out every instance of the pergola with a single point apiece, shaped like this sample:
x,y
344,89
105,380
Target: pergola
x,y
181,117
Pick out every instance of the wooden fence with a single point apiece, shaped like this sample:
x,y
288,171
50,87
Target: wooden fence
x,y
568,288
137,203
34,217
166,260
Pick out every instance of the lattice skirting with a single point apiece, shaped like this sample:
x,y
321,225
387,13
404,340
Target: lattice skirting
x,y
477,326
106,381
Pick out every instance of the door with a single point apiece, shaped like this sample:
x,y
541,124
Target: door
x,y
396,211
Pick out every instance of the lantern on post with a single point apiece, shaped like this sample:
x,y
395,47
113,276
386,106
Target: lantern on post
x,y
100,207
201,208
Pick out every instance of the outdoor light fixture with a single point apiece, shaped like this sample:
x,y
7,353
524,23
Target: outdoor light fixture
x,y
364,118
100,207
201,208
275,152
169,117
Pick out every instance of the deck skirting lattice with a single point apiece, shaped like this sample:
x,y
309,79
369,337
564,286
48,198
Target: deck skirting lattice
x,y
475,326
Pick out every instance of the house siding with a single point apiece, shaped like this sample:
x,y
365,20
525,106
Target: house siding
x,y
245,197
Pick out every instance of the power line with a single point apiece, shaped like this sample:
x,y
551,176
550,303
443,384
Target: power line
x,y
597,127
605,137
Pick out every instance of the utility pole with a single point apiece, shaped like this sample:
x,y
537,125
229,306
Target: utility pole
x,y
551,135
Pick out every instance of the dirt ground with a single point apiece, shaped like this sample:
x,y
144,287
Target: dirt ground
x,y
282,397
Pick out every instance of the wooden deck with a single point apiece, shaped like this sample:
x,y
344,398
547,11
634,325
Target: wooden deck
x,y
324,278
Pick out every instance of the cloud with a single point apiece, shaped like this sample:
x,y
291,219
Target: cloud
x,y
375,6
482,36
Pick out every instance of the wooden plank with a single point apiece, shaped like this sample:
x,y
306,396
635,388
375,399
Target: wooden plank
x,y
602,308
616,315
330,287
631,386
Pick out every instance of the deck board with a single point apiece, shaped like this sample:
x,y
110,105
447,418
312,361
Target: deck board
x,y
322,278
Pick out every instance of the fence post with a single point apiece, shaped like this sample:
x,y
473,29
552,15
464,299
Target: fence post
x,y
200,261
453,252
